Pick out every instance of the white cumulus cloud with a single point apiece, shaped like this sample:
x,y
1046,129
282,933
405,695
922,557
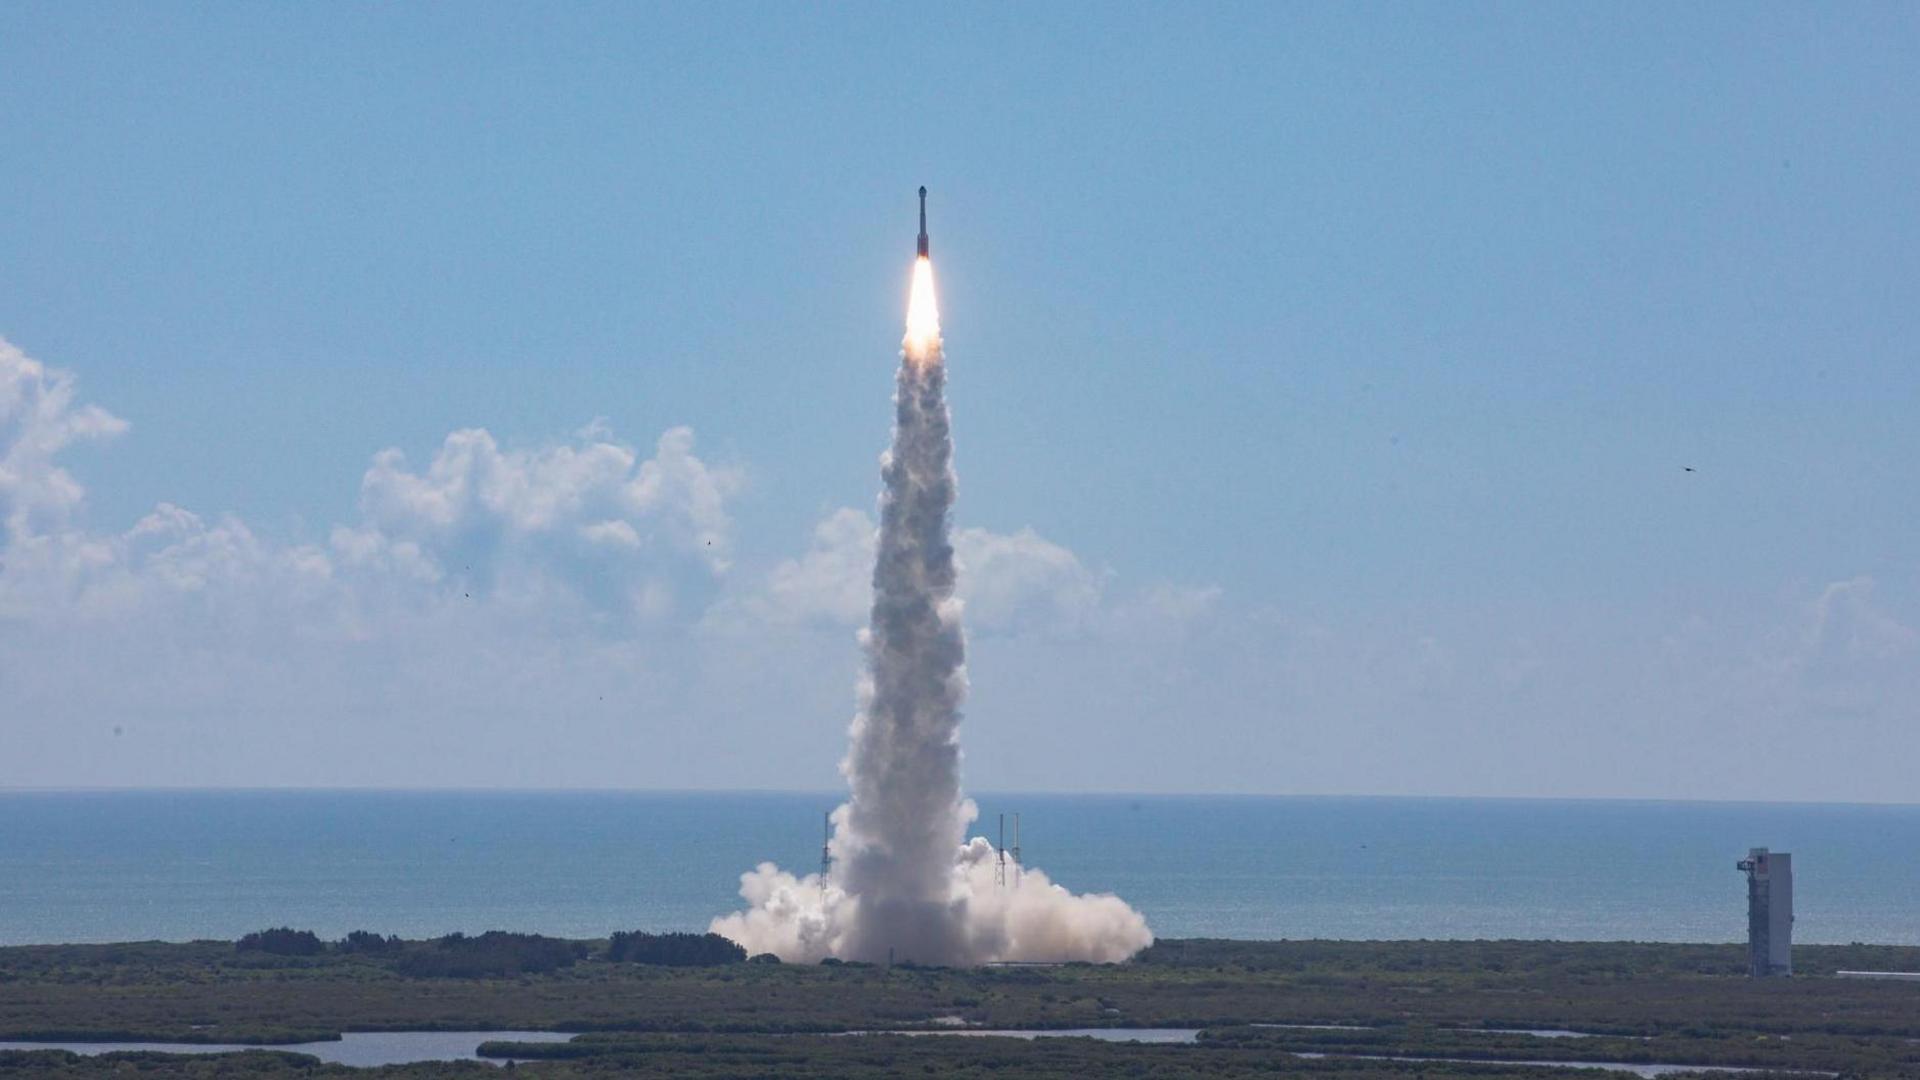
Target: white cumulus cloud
x,y
587,532
38,419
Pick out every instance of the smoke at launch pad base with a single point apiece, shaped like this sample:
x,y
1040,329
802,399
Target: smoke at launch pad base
x,y
905,882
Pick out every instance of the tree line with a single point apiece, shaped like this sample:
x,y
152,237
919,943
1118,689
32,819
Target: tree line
x,y
498,952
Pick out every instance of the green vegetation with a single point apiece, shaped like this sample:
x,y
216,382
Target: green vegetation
x,y
1737,1049
282,941
648,1016
871,1058
494,954
676,950
362,941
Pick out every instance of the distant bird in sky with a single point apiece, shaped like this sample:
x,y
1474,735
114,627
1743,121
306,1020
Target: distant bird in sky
x,y
1689,468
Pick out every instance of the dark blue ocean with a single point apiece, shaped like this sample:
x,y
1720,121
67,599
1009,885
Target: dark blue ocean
x,y
119,866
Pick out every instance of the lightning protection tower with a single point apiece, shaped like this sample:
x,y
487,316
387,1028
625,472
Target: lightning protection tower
x,y
1001,851
1000,854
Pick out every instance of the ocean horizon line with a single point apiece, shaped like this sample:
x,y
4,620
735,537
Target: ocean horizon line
x,y
993,793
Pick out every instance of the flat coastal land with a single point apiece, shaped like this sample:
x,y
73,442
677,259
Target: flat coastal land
x,y
1262,1008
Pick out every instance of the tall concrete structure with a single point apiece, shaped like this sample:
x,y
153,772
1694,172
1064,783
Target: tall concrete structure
x,y
1769,912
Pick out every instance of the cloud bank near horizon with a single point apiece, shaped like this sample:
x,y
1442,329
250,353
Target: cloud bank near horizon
x,y
492,611
481,599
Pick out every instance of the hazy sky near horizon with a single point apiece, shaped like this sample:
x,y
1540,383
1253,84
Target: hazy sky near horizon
x,y
1488,399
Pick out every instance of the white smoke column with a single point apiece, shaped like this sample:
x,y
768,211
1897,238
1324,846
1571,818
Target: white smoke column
x,y
905,885
894,848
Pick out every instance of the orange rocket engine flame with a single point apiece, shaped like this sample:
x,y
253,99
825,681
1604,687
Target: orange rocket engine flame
x,y
922,342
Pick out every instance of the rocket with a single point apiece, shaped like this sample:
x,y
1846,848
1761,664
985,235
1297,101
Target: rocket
x,y
923,221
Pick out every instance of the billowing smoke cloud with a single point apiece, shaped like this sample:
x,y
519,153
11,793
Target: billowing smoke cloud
x,y
904,883
806,919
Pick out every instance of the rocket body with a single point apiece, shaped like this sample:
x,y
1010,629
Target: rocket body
x,y
923,223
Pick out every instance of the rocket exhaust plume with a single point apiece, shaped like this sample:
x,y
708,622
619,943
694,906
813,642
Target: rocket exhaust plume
x,y
905,881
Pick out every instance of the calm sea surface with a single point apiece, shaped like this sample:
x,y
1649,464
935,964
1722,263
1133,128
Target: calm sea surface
x,y
131,866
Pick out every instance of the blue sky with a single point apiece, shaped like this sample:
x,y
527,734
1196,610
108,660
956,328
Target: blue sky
x,y
1366,348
